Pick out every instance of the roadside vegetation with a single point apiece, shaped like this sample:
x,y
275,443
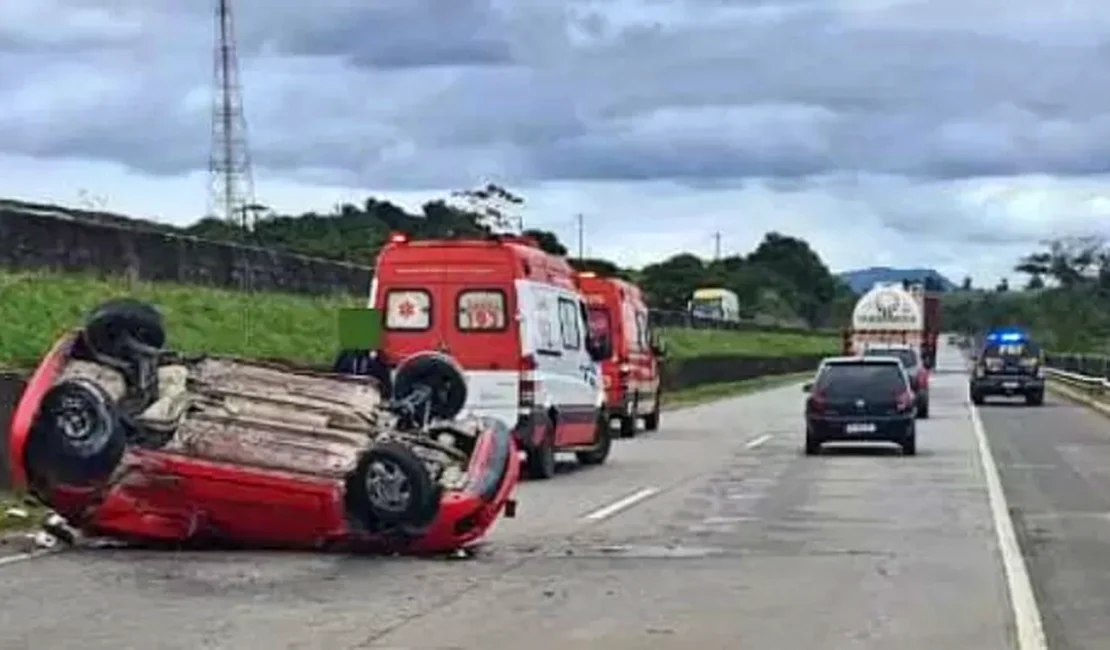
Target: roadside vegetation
x,y
36,307
1065,302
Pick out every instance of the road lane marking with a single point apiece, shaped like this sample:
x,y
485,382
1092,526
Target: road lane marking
x,y
621,504
752,444
22,557
1027,615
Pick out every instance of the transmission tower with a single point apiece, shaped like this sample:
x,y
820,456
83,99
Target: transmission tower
x,y
229,164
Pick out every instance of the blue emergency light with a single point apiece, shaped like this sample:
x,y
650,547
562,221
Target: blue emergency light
x,y
1006,336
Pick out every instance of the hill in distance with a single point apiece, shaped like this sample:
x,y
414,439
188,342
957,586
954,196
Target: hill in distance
x,y
863,279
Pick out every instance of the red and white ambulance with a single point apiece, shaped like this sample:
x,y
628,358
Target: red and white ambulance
x,y
512,316
617,310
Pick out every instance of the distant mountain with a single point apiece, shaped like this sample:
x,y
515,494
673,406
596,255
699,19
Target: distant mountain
x,y
863,279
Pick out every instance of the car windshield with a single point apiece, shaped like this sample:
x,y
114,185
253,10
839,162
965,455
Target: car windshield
x,y
844,380
907,356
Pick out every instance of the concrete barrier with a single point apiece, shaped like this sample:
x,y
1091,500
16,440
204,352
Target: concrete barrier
x,y
11,387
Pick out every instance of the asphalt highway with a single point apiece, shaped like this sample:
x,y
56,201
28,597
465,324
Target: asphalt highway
x,y
1055,466
714,532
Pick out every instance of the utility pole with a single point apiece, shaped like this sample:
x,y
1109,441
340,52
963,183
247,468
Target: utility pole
x,y
581,237
717,246
229,164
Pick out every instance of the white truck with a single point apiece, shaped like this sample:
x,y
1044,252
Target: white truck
x,y
892,313
715,304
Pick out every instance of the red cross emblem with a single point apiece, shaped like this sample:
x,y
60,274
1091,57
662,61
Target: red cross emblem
x,y
407,309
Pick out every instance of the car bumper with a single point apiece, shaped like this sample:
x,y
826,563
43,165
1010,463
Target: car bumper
x,y
1007,385
841,428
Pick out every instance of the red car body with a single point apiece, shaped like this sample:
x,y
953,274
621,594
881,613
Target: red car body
x,y
177,497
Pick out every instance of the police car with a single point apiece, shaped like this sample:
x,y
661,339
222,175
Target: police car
x,y
1009,364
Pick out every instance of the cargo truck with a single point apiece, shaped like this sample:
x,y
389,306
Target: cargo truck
x,y
896,313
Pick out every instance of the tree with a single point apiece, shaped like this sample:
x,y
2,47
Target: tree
x,y
1035,283
966,285
548,241
1002,286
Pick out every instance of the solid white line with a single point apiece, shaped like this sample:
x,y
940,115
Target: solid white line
x,y
752,444
621,504
1027,616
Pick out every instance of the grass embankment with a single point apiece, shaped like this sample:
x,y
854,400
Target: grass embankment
x,y
36,307
711,392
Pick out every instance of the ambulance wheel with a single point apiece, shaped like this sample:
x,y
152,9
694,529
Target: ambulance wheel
x,y
539,462
651,420
602,445
627,424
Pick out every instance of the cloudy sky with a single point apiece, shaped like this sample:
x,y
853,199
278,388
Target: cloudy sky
x,y
946,133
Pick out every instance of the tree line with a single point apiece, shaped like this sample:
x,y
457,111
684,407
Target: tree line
x,y
783,280
1065,302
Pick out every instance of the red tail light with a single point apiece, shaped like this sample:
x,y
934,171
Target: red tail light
x,y
527,381
818,403
905,400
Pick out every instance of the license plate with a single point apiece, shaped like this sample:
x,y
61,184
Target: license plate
x,y
860,427
1010,384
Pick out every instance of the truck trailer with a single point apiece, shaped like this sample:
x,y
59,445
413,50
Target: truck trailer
x,y
896,313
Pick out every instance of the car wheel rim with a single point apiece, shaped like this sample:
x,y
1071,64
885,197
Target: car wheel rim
x,y
75,419
387,486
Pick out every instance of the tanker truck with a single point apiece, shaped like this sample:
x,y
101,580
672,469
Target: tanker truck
x,y
897,313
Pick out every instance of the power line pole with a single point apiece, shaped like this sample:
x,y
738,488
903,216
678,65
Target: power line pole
x,y
229,164
717,246
581,237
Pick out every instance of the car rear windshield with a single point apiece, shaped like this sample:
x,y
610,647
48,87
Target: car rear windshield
x,y
599,321
1012,350
864,379
907,356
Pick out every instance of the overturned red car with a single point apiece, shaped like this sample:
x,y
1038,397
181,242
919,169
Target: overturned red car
x,y
125,439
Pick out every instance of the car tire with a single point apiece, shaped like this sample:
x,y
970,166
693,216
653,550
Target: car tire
x,y
651,420
539,462
439,372
923,410
78,437
813,444
114,327
909,444
602,446
977,399
1035,399
627,425
390,486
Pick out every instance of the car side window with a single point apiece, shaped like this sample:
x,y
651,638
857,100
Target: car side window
x,y
569,323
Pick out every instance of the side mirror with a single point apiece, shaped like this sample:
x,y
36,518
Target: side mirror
x,y
807,387
599,347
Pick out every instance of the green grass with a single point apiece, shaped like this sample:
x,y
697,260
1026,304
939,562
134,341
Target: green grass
x,y
686,343
712,392
36,307
36,513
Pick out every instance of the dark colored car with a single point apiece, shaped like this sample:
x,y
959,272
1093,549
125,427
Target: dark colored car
x,y
1011,366
915,369
865,399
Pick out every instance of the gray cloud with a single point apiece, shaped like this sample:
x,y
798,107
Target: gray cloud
x,y
689,89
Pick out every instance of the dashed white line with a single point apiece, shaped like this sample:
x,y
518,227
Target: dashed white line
x,y
21,557
1027,615
621,504
752,444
